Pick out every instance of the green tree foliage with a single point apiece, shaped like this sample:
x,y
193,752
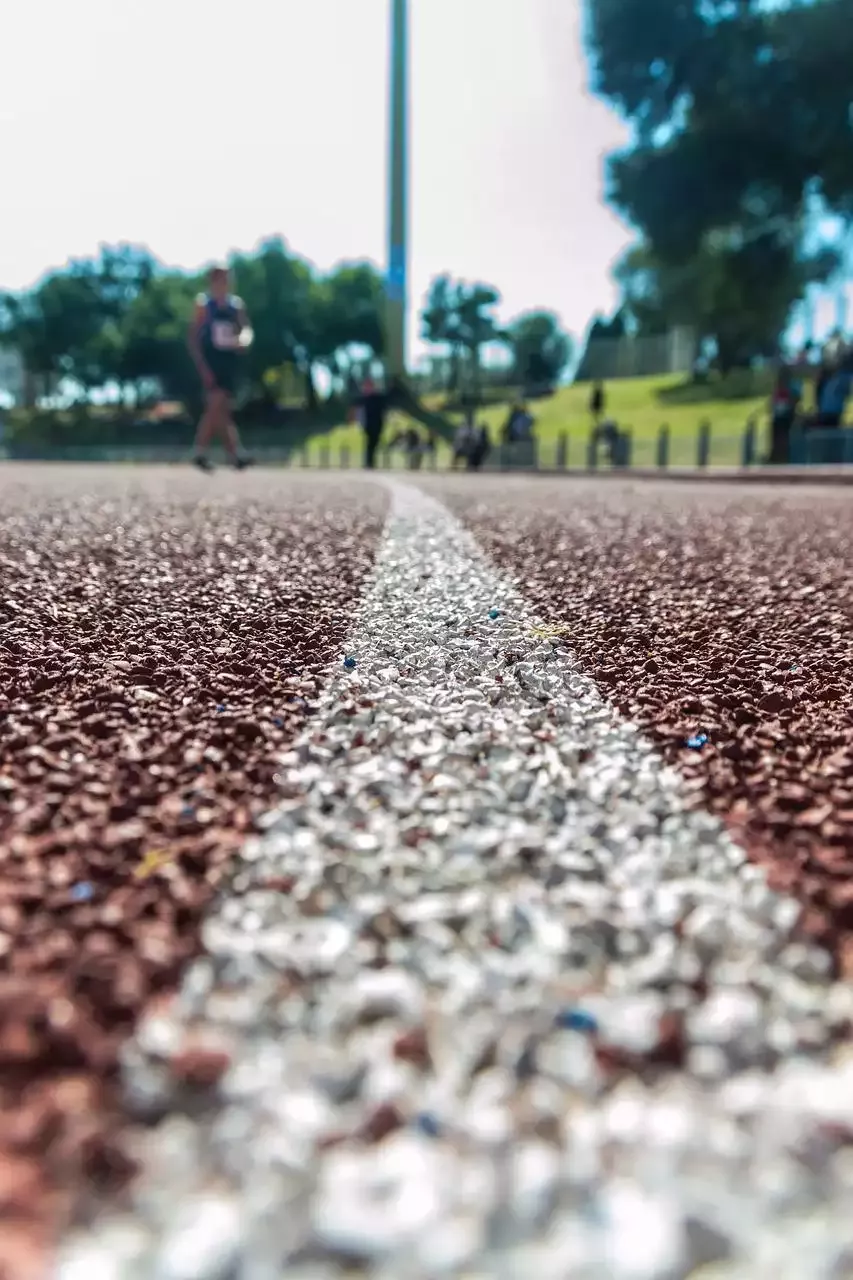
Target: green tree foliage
x,y
120,321
154,340
739,293
741,116
461,317
540,348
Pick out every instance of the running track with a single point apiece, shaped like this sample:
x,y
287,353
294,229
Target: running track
x,y
513,975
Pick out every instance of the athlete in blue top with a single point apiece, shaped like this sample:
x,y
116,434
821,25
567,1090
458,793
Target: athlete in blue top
x,y
834,395
219,336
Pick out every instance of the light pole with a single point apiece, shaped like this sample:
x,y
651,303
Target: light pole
x,y
398,192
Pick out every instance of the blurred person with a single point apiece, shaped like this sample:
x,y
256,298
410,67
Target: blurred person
x,y
834,349
371,409
607,433
414,448
822,375
481,445
219,336
833,393
464,439
522,427
508,428
524,448
597,402
785,400
835,388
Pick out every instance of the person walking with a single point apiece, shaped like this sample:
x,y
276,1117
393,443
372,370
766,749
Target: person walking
x,y
784,405
219,336
372,409
834,392
480,447
464,439
597,403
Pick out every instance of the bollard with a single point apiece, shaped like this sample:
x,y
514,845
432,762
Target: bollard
x,y
592,451
324,456
626,447
562,451
703,444
344,462
748,454
663,447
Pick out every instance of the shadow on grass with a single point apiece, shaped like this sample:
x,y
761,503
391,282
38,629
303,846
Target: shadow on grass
x,y
742,384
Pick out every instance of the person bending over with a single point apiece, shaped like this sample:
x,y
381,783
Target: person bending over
x,y
219,337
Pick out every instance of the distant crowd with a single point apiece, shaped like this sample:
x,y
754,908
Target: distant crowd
x,y
473,443
830,371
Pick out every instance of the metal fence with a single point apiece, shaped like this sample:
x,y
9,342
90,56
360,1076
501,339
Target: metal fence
x,y
824,447
566,452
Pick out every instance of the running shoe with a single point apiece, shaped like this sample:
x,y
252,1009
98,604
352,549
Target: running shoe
x,y
203,464
240,464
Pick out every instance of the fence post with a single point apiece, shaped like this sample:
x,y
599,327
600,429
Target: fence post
x,y
663,447
748,454
627,447
592,451
703,444
562,451
344,462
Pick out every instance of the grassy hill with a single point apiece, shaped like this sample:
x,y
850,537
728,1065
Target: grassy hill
x,y
643,404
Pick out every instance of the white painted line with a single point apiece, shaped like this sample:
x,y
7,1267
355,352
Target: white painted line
x,y
471,844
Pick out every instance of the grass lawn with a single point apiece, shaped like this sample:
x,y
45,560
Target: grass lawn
x,y
643,404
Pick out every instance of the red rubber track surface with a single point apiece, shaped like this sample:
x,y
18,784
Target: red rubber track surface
x,y
710,609
162,636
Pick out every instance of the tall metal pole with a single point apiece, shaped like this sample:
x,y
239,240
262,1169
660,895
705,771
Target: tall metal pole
x,y
398,193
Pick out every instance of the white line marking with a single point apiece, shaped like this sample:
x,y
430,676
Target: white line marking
x,y
466,807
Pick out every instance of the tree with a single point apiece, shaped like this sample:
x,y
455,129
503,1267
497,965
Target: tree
x,y
773,78
461,317
741,122
736,293
439,322
349,317
56,326
154,339
302,319
280,293
120,321
68,326
477,324
540,348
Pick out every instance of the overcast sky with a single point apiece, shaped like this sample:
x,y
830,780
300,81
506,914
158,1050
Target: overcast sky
x,y
198,126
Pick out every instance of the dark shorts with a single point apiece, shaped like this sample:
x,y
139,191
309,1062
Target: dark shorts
x,y
225,380
225,372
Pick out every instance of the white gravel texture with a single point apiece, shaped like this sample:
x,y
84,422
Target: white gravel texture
x,y
496,1002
